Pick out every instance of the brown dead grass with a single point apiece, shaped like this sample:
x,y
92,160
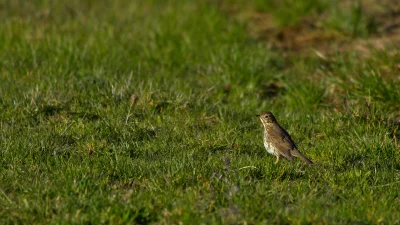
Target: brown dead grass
x,y
309,37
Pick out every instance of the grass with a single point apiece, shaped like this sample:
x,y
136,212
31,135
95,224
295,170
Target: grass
x,y
144,113
349,18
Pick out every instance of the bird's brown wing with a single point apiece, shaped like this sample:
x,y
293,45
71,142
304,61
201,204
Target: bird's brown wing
x,y
286,146
283,142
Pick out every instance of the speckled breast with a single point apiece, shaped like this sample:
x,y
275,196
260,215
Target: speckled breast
x,y
268,146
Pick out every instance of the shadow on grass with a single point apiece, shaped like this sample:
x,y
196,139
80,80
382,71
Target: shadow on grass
x,y
142,216
291,175
50,110
255,174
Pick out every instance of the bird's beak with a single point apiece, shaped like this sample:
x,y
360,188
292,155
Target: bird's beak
x,y
258,115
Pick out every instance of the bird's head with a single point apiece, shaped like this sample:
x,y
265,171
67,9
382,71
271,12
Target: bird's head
x,y
266,117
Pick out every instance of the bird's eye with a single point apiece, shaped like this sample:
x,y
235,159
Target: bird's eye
x,y
266,116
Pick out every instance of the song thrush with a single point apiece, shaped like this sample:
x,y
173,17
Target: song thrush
x,y
277,141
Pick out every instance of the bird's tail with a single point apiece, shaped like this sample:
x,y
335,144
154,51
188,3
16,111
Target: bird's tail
x,y
301,156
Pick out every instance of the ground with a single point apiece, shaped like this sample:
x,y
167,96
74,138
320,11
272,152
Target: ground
x,y
143,112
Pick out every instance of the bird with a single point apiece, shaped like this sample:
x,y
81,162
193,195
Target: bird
x,y
277,141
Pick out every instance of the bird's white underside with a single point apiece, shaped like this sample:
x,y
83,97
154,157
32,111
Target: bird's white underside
x,y
268,146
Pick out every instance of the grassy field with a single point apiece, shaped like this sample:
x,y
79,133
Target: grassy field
x,y
143,112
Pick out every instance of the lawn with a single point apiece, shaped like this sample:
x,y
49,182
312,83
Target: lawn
x,y
143,112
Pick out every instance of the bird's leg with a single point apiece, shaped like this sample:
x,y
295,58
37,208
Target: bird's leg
x,y
277,158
